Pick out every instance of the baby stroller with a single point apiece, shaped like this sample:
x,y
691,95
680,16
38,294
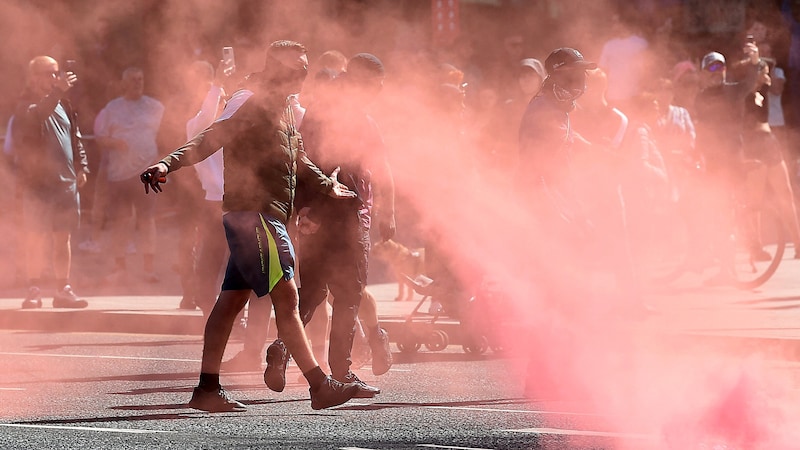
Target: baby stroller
x,y
455,315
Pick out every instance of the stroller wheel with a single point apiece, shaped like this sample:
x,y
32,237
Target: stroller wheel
x,y
476,345
437,340
497,348
408,345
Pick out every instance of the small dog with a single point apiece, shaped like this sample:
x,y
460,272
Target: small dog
x,y
404,262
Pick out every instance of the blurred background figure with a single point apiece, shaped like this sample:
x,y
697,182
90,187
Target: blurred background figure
x,y
126,131
624,59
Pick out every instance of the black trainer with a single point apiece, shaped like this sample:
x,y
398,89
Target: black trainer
x,y
34,298
364,390
381,354
66,298
214,401
275,373
332,393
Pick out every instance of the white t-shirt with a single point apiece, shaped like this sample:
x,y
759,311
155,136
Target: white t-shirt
x,y
209,170
136,122
623,59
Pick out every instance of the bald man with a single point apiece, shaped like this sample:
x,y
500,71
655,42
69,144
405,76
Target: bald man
x,y
51,166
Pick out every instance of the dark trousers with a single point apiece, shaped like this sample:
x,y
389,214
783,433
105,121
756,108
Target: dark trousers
x,y
335,260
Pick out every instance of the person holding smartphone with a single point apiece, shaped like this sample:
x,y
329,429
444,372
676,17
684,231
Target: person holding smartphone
x,y
51,165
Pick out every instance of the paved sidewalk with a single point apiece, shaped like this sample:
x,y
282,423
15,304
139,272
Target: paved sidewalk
x,y
151,314
766,318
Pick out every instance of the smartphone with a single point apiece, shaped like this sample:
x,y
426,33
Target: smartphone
x,y
749,39
70,65
228,59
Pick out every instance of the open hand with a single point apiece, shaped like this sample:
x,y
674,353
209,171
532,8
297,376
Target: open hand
x,y
339,190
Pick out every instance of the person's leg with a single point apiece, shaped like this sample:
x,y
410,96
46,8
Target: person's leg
x,y
255,335
146,225
218,328
211,256
64,297
209,394
347,282
62,256
37,220
318,329
376,336
285,299
120,212
35,243
248,255
368,311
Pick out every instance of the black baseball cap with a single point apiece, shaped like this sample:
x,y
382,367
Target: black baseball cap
x,y
566,58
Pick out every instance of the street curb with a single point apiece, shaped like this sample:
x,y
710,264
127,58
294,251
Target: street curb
x,y
101,321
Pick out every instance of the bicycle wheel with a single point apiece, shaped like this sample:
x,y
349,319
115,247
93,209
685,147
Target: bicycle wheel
x,y
760,242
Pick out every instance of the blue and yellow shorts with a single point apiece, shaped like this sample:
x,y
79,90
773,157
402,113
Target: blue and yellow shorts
x,y
261,252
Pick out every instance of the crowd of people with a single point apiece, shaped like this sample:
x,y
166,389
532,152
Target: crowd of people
x,y
285,161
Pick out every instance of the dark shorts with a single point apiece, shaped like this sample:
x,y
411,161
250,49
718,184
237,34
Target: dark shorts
x,y
51,211
261,252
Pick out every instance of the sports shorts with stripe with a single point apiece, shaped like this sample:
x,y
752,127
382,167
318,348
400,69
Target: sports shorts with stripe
x,y
261,252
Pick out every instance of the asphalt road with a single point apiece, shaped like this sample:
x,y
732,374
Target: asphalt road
x,y
126,391
129,391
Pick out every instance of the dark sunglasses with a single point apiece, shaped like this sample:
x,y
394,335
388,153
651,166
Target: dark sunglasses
x,y
715,67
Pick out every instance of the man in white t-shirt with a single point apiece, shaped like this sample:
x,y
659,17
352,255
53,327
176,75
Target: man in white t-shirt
x,y
126,131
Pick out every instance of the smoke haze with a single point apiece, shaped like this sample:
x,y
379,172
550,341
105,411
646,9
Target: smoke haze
x,y
569,338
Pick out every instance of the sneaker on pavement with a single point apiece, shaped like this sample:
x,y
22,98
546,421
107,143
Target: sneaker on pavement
x,y
275,373
381,354
187,303
66,298
244,361
217,400
364,390
332,393
34,298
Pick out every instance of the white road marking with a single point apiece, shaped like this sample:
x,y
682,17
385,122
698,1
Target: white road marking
x,y
11,389
568,432
524,411
66,427
451,447
135,358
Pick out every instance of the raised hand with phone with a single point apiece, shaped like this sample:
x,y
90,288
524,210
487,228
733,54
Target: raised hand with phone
x,y
228,63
